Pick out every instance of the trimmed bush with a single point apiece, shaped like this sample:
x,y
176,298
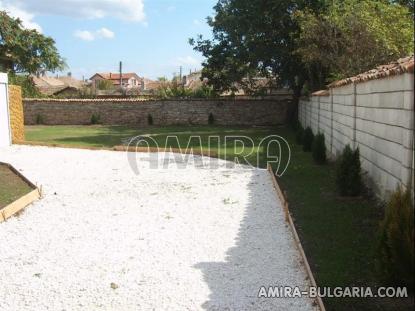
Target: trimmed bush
x,y
299,134
396,241
295,124
308,138
39,119
150,119
348,174
211,119
95,118
319,149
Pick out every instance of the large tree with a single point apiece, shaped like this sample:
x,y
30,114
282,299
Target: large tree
x,y
24,50
255,37
288,40
353,36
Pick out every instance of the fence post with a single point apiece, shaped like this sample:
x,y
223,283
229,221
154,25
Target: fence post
x,y
318,116
354,115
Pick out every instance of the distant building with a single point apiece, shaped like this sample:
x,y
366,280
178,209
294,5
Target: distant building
x,y
261,85
126,80
193,80
56,85
150,85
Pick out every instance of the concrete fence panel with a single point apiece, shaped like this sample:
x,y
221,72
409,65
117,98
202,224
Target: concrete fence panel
x,y
375,115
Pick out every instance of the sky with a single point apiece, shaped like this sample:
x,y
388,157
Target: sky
x,y
150,37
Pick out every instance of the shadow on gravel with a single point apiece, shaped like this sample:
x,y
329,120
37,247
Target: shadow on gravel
x,y
264,255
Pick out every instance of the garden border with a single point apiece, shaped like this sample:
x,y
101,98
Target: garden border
x,y
119,148
19,204
289,219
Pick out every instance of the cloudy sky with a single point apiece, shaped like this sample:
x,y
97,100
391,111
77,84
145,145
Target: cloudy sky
x,y
149,36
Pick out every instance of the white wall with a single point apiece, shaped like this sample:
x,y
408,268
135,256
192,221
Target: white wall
x,y
5,133
378,117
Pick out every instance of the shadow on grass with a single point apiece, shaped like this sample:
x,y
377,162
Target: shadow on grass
x,y
99,140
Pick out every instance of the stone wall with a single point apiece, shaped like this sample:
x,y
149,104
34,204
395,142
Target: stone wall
x,y
164,112
16,113
375,115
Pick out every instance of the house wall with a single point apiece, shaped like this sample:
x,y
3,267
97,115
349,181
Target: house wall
x,y
5,132
378,117
164,112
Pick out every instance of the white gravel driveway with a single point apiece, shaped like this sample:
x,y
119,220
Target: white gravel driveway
x,y
103,238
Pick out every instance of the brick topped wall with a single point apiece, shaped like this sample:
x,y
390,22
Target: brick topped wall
x,y
164,112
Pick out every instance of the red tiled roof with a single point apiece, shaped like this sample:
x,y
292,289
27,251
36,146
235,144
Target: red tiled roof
x,y
116,76
321,93
402,65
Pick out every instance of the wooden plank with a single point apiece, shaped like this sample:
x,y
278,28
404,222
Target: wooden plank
x,y
19,204
163,150
290,221
209,153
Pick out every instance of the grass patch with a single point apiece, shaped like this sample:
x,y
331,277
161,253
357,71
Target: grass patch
x,y
339,235
110,136
12,187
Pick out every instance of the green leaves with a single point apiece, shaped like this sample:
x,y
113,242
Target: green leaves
x,y
353,36
348,173
24,50
252,38
396,241
297,41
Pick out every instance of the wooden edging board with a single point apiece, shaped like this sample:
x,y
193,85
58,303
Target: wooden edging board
x,y
173,150
289,219
122,148
19,204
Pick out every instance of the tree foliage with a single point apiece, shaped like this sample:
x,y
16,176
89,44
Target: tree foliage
x,y
251,38
175,89
24,50
307,139
318,149
29,90
396,242
105,85
353,36
294,42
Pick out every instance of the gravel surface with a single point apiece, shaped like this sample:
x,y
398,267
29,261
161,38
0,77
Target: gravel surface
x,y
104,238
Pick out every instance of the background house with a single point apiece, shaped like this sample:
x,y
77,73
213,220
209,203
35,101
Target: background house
x,y
126,80
65,85
150,86
193,80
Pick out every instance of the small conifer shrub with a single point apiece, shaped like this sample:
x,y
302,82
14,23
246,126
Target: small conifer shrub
x,y
308,137
319,149
348,173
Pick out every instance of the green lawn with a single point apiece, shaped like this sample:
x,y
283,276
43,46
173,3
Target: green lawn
x,y
110,136
338,235
12,187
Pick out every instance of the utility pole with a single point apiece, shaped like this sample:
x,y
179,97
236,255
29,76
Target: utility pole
x,y
120,74
181,73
